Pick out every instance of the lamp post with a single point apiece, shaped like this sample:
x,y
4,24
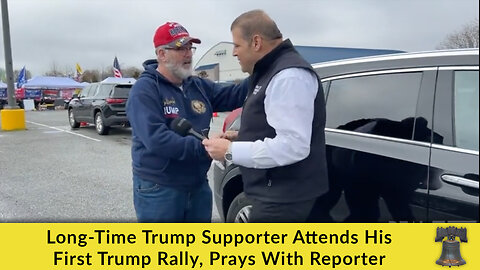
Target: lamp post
x,y
8,57
13,118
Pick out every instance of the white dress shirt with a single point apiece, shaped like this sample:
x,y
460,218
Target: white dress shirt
x,y
289,106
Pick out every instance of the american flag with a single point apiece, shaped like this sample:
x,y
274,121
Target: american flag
x,y
117,73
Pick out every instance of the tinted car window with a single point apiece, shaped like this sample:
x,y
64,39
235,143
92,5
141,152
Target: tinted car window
x,y
325,89
85,91
104,90
121,91
94,90
466,109
91,91
384,102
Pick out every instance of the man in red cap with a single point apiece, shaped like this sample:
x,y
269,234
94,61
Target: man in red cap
x,y
170,170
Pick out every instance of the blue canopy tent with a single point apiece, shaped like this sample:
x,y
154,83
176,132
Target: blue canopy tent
x,y
45,82
3,90
50,88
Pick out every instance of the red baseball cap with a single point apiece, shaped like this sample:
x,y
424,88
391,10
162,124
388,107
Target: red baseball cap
x,y
172,34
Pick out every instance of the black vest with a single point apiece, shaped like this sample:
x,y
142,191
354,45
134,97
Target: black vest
x,y
300,181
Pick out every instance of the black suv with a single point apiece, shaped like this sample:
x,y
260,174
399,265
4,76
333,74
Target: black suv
x,y
402,141
101,104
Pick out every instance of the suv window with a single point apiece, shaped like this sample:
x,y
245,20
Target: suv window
x,y
121,91
85,91
362,103
89,90
104,90
325,85
466,109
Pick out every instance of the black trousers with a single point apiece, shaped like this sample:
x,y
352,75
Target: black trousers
x,y
271,212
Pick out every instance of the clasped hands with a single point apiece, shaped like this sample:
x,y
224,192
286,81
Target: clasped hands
x,y
218,145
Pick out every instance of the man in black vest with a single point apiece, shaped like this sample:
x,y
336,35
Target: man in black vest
x,y
281,142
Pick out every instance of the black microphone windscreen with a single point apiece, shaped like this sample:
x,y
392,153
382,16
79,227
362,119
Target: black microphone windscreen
x,y
181,126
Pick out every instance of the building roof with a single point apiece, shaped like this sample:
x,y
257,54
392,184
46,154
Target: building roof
x,y
229,68
313,54
323,54
206,67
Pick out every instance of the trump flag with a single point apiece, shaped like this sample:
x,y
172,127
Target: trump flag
x,y
22,77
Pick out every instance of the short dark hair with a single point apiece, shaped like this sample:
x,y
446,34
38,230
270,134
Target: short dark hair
x,y
256,22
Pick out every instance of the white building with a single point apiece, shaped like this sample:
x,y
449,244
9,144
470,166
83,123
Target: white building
x,y
218,63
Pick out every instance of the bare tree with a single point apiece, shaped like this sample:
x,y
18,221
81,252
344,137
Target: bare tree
x,y
28,74
91,76
467,37
127,72
54,71
3,75
69,71
131,72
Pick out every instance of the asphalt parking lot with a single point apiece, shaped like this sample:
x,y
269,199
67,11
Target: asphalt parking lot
x,y
51,173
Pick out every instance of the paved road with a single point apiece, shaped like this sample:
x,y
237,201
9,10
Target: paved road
x,y
50,173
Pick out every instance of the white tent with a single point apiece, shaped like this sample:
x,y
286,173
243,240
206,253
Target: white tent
x,y
45,82
119,80
3,85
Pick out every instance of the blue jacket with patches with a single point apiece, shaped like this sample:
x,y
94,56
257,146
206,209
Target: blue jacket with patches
x,y
158,153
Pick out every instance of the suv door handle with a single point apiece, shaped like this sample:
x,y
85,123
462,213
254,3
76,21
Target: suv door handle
x,y
458,180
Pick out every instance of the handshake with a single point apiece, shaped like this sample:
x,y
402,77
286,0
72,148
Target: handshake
x,y
218,145
230,135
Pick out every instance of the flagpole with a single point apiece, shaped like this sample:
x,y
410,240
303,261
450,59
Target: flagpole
x,y
8,57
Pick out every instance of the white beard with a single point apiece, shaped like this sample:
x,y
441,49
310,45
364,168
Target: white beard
x,y
178,70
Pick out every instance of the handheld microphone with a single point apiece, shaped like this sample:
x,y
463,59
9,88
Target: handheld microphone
x,y
183,127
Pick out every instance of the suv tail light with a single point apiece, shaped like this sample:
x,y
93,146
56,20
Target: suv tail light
x,y
115,100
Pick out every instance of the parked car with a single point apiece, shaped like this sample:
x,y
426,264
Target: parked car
x,y
102,104
3,103
66,102
402,141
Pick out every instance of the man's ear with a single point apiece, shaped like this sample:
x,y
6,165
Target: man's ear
x,y
160,54
257,42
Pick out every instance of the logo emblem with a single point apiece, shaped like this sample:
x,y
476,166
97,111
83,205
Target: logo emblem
x,y
198,106
451,247
179,42
169,102
170,109
257,88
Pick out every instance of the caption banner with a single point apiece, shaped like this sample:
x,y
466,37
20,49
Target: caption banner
x,y
227,246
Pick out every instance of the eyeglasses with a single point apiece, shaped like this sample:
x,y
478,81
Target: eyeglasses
x,y
184,50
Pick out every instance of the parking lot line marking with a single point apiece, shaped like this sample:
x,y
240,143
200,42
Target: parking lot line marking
x,y
63,130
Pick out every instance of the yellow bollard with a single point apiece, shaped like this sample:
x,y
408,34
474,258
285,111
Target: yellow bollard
x,y
12,119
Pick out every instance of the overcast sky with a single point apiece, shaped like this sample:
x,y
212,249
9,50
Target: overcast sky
x,y
45,33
